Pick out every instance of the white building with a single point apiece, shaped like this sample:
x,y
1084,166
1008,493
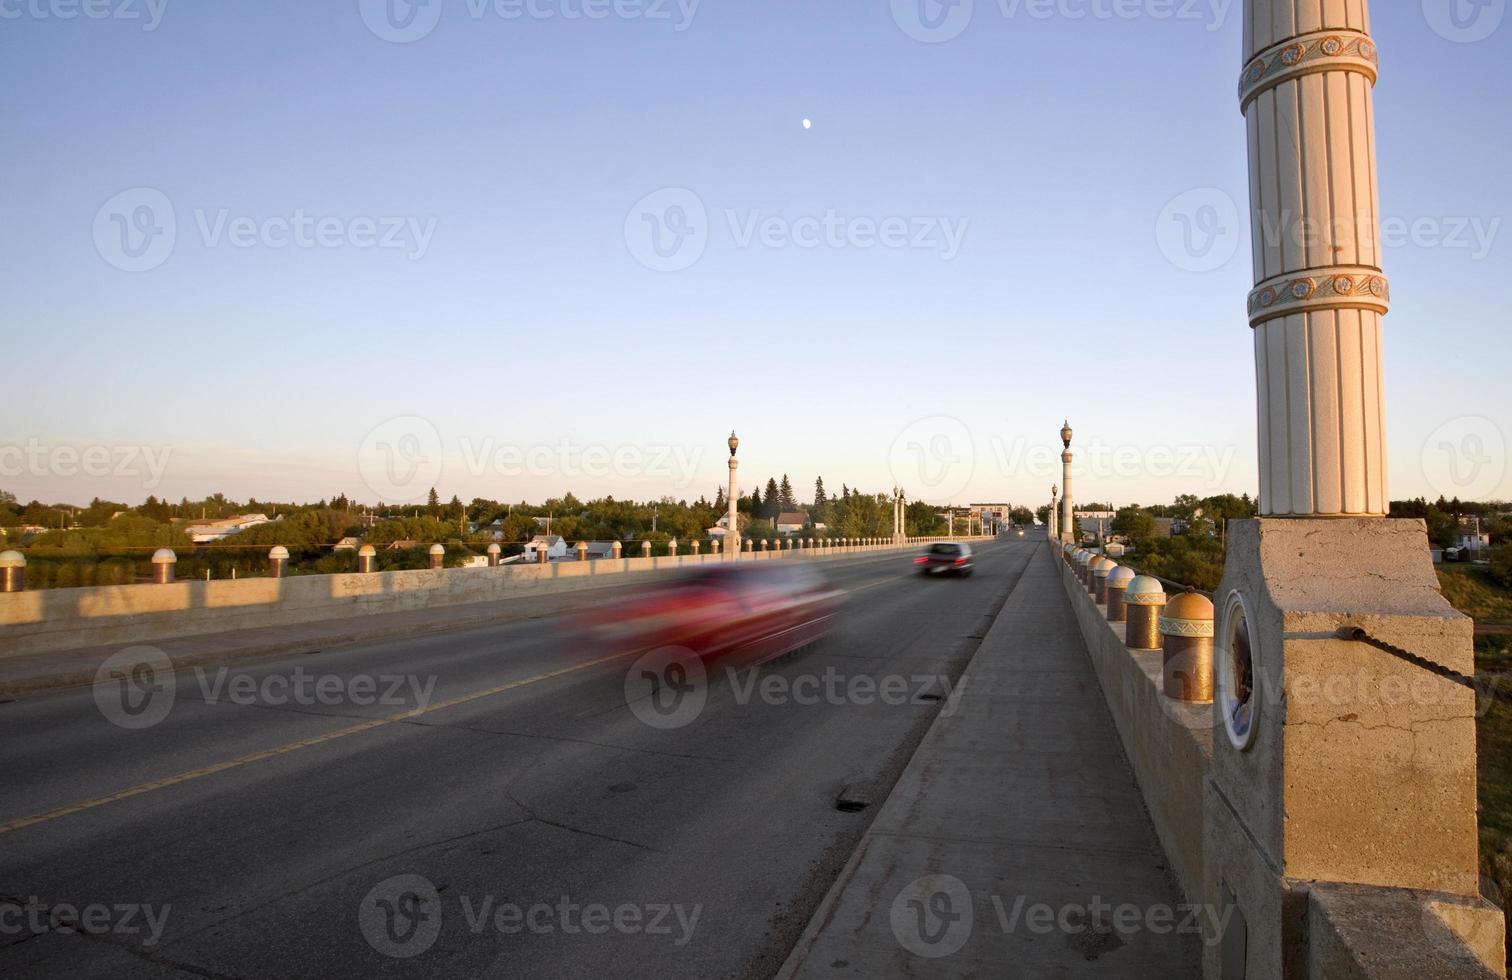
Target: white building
x,y
554,545
201,532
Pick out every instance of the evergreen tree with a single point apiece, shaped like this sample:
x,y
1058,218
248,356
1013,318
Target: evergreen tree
x,y
789,502
819,498
719,500
756,502
773,500
433,503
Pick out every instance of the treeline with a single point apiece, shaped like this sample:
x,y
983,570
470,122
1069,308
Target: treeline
x,y
1194,554
111,543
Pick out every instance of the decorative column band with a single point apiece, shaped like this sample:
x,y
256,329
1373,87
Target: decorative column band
x,y
1186,627
1339,287
1341,50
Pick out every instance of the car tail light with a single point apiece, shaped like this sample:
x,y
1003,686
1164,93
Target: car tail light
x,y
921,560
960,561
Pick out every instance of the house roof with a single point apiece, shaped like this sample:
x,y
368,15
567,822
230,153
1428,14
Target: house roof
x,y
793,517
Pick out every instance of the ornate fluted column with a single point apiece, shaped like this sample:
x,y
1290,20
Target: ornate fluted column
x,y
1294,814
1319,292
1068,512
733,532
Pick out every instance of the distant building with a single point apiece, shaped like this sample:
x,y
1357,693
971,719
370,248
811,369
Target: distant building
x,y
994,517
791,522
597,550
494,530
348,544
1471,537
554,545
404,544
202,532
721,527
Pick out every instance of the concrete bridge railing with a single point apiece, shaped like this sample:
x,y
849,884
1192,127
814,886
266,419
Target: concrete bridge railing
x,y
1154,656
56,620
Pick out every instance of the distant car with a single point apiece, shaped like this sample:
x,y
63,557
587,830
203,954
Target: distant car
x,y
946,558
1021,532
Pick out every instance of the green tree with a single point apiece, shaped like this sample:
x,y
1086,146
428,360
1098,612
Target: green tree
x,y
819,498
773,502
789,503
1136,524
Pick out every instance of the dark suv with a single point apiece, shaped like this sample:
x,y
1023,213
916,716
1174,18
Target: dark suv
x,y
946,558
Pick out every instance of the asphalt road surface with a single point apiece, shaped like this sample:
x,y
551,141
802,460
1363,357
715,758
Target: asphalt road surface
x,y
306,818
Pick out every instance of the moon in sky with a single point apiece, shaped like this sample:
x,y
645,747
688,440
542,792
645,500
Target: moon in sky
x,y
808,124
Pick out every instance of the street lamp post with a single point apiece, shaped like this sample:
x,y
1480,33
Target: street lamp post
x,y
1068,512
732,533
1054,522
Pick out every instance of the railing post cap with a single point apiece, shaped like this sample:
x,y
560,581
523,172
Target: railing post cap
x,y
12,559
437,549
1120,577
1101,567
494,549
1188,614
366,551
164,556
1145,591
279,553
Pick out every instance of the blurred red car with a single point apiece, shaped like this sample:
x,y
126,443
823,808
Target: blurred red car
x,y
751,612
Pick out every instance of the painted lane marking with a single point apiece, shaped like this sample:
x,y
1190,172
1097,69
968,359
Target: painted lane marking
x,y
273,753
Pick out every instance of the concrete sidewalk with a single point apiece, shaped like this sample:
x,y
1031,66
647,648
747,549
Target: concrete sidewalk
x,y
1016,842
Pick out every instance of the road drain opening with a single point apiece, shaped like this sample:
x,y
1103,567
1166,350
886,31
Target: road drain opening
x,y
855,797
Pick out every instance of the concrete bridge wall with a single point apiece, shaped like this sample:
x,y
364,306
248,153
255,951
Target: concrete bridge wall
x,y
55,620
1314,930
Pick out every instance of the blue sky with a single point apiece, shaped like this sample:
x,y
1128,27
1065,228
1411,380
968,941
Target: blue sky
x,y
971,243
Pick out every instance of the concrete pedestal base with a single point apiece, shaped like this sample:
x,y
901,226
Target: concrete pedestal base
x,y
1360,767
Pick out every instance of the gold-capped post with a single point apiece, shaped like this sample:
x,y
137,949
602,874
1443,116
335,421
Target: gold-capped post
x,y
1144,600
1186,629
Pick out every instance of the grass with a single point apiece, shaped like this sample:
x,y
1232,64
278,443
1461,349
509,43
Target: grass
x,y
1471,590
1475,594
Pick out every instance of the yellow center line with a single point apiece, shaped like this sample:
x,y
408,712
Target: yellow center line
x,y
252,757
